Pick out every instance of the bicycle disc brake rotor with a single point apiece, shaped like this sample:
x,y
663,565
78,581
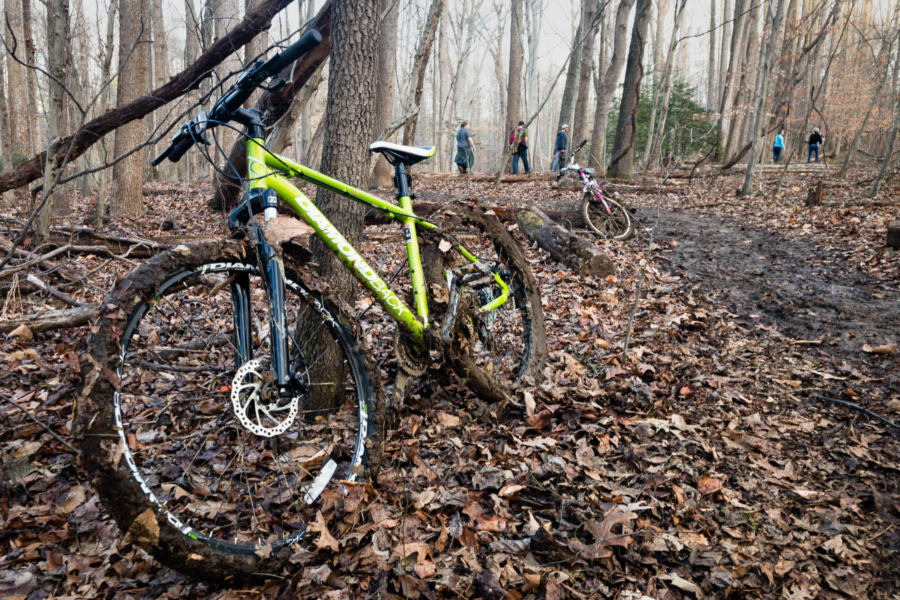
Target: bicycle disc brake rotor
x,y
256,403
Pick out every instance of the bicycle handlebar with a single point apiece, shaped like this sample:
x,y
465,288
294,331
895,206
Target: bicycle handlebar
x,y
237,94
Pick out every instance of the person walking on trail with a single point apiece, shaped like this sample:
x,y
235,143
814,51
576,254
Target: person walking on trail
x,y
778,148
465,149
815,140
521,149
562,143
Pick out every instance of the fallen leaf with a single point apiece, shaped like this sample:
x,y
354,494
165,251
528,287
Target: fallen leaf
x,y
22,333
883,349
448,420
326,540
145,528
709,485
73,500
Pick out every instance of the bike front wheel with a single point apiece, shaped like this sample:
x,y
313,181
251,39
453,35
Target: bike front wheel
x,y
613,223
187,445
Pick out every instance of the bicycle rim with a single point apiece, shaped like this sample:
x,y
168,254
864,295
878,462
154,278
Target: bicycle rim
x,y
614,223
202,470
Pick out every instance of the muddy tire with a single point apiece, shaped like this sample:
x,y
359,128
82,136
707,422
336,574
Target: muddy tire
x,y
158,424
494,368
616,224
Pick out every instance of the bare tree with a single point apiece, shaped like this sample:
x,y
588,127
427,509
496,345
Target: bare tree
x,y
420,64
608,81
622,163
21,125
666,83
516,54
128,174
711,61
592,22
384,101
567,106
57,59
759,115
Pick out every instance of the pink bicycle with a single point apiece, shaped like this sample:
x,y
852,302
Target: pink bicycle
x,y
602,215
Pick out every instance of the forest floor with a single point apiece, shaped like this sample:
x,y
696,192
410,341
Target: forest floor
x,y
712,461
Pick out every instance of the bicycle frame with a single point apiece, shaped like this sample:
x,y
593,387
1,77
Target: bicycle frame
x,y
270,171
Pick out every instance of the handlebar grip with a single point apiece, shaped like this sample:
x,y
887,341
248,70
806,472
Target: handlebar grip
x,y
155,162
307,42
180,147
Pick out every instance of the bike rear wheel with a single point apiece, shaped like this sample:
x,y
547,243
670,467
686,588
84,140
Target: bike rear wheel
x,y
229,475
498,347
615,223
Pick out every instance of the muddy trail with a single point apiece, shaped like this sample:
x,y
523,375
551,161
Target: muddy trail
x,y
807,291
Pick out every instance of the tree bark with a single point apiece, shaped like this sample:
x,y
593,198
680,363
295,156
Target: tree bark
x,y
567,248
728,90
417,81
763,93
57,59
19,130
579,118
657,136
711,66
384,100
258,20
724,53
892,138
516,55
567,106
608,83
6,147
128,174
622,164
348,116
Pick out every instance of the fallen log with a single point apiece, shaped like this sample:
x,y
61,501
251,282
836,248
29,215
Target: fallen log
x,y
507,214
563,246
55,319
893,235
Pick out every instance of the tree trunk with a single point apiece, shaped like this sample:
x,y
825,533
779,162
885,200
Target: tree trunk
x,y
19,131
724,53
656,79
57,60
892,138
608,83
384,100
305,125
6,147
31,76
622,164
348,116
514,83
567,106
579,118
256,21
564,247
128,174
652,156
711,66
763,92
105,103
417,81
728,90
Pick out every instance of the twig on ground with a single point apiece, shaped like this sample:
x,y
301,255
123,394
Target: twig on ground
x,y
859,408
46,427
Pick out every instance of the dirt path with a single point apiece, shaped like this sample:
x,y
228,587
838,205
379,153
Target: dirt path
x,y
808,292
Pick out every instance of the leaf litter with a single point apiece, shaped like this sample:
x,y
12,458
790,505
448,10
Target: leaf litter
x,y
700,465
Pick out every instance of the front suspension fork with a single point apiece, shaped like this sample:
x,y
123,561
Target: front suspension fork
x,y
272,272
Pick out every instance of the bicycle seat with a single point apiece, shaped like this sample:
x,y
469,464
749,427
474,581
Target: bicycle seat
x,y
589,171
398,153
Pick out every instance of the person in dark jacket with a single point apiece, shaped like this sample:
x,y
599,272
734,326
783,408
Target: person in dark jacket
x,y
815,140
522,149
562,143
465,149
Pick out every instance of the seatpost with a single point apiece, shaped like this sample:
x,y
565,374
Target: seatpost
x,y
401,181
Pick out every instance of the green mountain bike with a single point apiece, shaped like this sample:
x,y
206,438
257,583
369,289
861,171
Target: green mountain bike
x,y
225,395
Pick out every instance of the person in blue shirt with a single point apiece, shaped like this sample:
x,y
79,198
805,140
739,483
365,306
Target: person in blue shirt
x,y
779,146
